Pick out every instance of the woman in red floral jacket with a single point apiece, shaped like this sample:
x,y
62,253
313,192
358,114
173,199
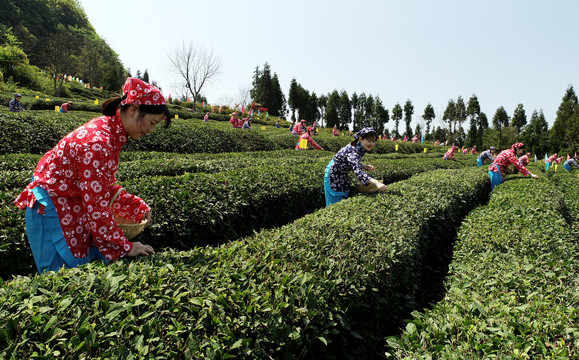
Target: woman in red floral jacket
x,y
68,218
503,160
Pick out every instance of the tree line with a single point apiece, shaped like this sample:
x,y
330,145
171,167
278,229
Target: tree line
x,y
361,110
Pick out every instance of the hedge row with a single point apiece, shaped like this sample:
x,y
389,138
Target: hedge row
x,y
514,288
240,193
36,132
325,286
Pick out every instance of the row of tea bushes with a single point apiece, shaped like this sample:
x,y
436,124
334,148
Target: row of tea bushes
x,y
514,285
324,286
36,132
16,169
205,208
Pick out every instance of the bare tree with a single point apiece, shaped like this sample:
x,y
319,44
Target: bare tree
x,y
196,67
243,97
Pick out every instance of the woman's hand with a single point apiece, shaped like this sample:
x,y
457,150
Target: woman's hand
x,y
534,176
368,168
381,187
140,249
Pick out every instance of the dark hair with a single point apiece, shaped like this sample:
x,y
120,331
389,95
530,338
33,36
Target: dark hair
x,y
109,108
365,137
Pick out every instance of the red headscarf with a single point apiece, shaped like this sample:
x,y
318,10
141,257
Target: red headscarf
x,y
517,145
138,92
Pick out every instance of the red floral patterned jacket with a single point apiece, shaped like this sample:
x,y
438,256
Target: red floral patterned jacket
x,y
506,158
79,175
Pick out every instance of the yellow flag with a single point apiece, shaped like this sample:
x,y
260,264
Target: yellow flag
x,y
176,116
96,101
263,128
303,143
425,150
555,167
38,97
56,108
47,99
396,146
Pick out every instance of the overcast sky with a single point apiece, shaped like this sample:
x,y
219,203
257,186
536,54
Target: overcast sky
x,y
505,52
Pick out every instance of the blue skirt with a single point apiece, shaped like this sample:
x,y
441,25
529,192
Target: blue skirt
x,y
49,247
479,162
567,167
332,196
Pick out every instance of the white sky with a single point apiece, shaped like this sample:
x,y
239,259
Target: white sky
x,y
505,52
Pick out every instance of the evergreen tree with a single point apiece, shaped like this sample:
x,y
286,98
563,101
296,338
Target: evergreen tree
x,y
408,112
381,116
322,105
500,120
368,108
345,110
519,118
449,117
332,109
473,110
461,115
483,125
535,134
278,107
565,132
397,116
293,99
360,114
428,116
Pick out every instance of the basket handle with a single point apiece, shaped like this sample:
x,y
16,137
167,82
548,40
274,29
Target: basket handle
x,y
115,197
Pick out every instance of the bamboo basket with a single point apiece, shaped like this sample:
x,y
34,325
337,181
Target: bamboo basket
x,y
371,188
130,228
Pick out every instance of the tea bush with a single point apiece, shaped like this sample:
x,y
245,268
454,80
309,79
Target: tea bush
x,y
514,285
325,286
202,199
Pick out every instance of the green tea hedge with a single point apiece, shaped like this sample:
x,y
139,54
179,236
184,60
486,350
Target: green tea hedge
x,y
36,132
514,285
229,195
326,286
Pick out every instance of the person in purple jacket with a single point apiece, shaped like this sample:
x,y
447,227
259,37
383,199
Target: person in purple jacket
x,y
348,158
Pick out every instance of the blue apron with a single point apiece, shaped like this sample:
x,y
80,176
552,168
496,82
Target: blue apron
x,y
479,162
49,247
496,178
332,196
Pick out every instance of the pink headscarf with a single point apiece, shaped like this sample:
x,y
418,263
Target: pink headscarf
x,y
138,92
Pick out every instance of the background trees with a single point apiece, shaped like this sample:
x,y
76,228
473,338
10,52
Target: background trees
x,y
267,91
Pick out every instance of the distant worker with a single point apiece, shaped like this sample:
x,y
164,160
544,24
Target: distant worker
x,y
235,121
335,131
473,150
449,155
65,107
308,138
206,117
15,105
247,123
487,154
503,160
550,160
572,162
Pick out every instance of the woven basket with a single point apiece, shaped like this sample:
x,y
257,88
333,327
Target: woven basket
x,y
130,228
371,188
